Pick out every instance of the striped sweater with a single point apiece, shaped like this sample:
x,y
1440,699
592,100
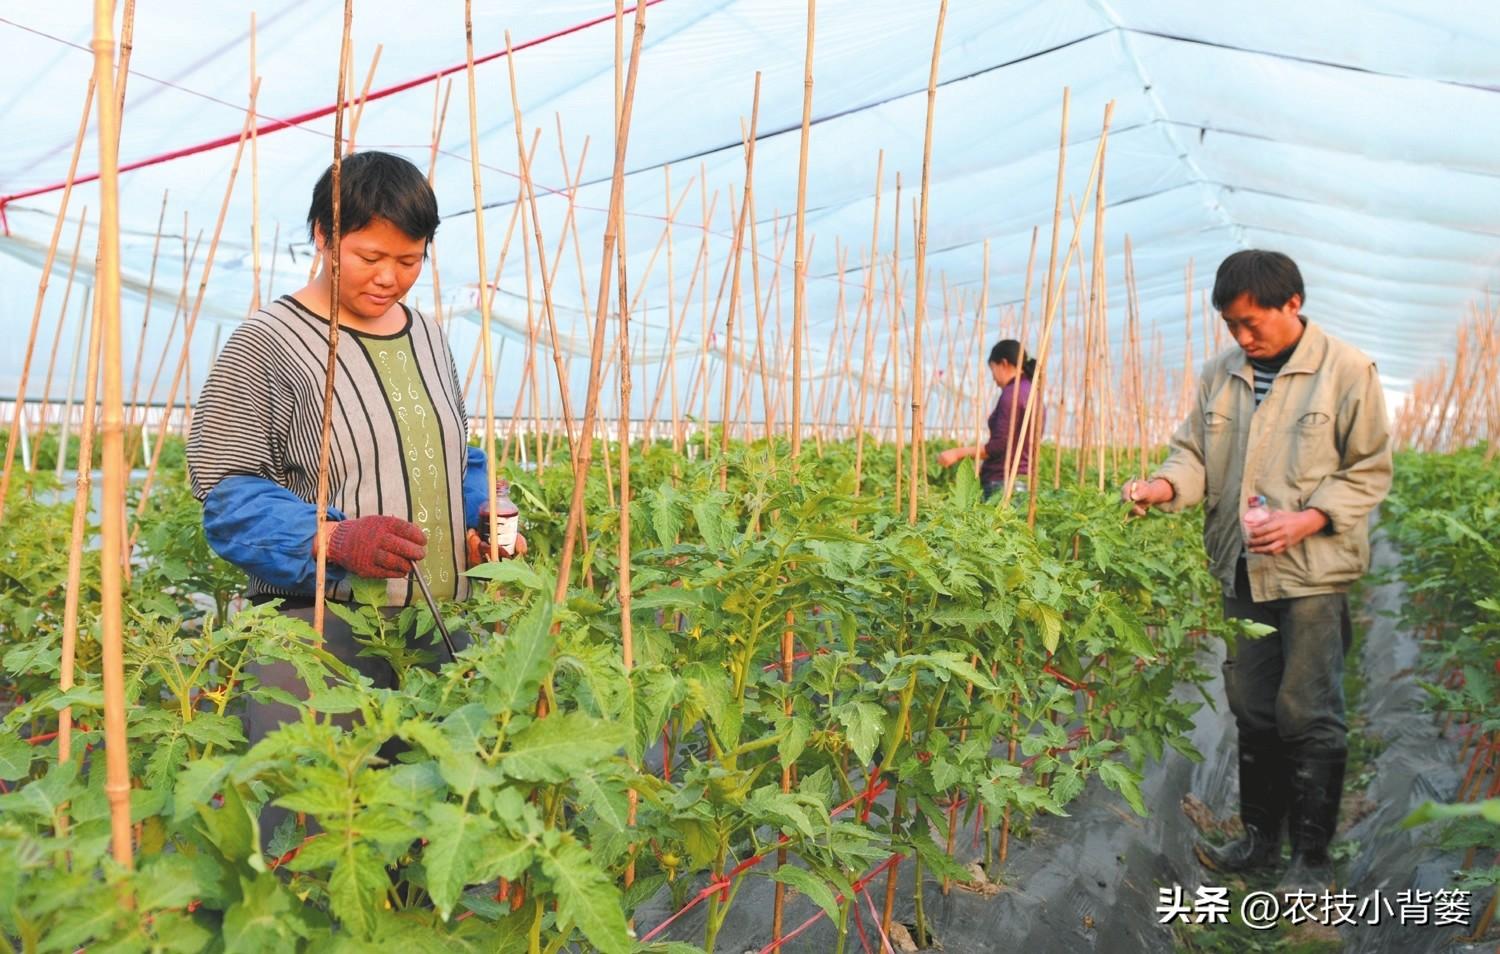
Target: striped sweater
x,y
260,417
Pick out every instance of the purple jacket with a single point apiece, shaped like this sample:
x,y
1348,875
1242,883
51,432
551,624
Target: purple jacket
x,y
1003,432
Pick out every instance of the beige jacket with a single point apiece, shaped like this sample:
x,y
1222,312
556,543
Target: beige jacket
x,y
1319,440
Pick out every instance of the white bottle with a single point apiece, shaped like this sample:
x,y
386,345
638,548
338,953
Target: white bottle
x,y
1256,514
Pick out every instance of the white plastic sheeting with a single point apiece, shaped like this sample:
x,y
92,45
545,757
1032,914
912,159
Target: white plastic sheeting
x,y
1361,138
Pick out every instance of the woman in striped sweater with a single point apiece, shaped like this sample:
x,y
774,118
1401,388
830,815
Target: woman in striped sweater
x,y
406,491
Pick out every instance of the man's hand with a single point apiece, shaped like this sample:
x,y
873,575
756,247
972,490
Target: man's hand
x,y
1143,494
1283,530
479,551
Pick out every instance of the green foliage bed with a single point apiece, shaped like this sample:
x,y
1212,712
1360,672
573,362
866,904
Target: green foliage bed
x,y
967,664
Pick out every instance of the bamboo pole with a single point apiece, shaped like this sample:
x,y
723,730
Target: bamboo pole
x,y
320,538
18,420
984,298
439,121
596,351
1014,464
515,215
734,288
136,438
893,348
140,349
547,277
359,106
65,425
1095,173
112,526
82,502
867,305
189,325
700,266
768,419
62,320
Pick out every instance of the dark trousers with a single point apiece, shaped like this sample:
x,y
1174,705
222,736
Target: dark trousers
x,y
261,718
1289,685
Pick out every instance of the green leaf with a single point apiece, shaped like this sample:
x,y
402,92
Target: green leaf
x,y
515,672
262,919
814,888
559,747
165,881
196,784
233,829
15,757
863,723
457,842
1124,780
209,728
666,519
711,512
967,492
607,801
357,888
509,571
586,897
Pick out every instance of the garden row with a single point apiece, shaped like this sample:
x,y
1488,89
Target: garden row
x,y
1444,516
529,796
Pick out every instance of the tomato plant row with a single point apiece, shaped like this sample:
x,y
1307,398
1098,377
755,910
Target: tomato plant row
x,y
976,671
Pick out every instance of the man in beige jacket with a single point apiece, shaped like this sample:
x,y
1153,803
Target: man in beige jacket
x,y
1297,417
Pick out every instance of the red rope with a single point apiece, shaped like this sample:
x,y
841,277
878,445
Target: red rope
x,y
312,114
858,886
725,883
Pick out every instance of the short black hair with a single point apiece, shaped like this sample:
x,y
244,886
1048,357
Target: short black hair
x,y
375,185
1270,278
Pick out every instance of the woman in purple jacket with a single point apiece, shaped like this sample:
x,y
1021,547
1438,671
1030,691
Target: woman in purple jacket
x,y
1012,374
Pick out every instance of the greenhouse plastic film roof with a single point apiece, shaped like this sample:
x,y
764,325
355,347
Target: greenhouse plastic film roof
x,y
1363,139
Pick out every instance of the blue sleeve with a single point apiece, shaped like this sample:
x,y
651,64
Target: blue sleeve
x,y
265,530
476,486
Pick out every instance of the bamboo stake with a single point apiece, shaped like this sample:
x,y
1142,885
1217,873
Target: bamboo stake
x,y
767,417
734,289
536,224
18,421
189,325
984,298
439,121
699,266
1095,173
515,214
799,317
112,528
894,346
359,106
136,439
62,319
65,425
82,501
140,349
868,306
596,351
799,263
320,538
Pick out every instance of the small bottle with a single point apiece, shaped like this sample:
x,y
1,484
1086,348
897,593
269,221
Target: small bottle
x,y
507,517
1256,513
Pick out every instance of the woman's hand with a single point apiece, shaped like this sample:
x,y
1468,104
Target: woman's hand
x,y
952,456
479,552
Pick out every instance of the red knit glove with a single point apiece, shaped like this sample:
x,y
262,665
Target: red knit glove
x,y
377,546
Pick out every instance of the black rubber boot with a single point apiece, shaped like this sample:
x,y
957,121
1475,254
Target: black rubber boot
x,y
1317,788
1263,805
